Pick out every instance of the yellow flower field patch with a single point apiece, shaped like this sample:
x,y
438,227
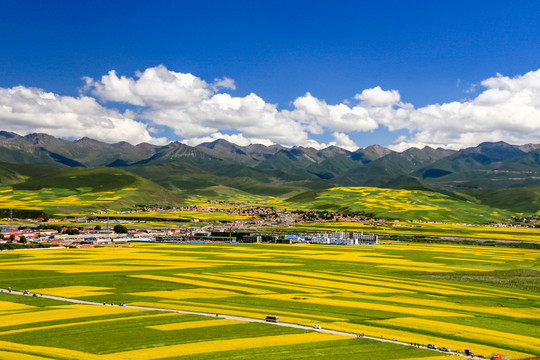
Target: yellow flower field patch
x,y
81,323
412,337
367,306
181,279
92,268
436,287
8,306
491,310
245,278
61,312
42,352
481,334
188,293
263,312
467,260
243,311
224,345
9,355
364,284
415,268
73,291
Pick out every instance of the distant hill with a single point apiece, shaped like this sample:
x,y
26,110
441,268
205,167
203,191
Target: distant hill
x,y
493,173
43,149
76,189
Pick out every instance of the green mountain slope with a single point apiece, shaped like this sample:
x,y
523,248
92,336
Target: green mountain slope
x,y
76,189
518,199
385,170
504,167
398,204
189,177
496,174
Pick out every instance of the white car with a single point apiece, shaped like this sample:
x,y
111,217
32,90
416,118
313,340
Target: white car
x,y
445,349
318,327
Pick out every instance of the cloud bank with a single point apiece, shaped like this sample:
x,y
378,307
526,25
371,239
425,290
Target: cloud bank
x,y
507,109
26,110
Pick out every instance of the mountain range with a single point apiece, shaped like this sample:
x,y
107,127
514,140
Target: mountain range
x,y
495,173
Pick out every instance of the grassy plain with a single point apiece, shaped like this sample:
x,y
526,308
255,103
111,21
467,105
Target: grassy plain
x,y
383,291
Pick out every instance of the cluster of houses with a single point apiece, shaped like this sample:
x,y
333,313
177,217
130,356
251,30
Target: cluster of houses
x,y
91,238
334,237
344,238
85,238
210,233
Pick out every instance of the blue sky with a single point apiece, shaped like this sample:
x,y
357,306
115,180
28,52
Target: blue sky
x,y
306,63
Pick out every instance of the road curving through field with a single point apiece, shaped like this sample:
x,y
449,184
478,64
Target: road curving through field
x,y
231,317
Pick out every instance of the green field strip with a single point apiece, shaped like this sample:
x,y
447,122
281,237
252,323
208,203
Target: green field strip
x,y
81,323
470,289
279,284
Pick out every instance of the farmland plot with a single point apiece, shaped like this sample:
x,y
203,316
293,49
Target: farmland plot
x,y
383,291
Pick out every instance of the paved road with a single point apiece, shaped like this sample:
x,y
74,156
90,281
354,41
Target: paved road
x,y
239,318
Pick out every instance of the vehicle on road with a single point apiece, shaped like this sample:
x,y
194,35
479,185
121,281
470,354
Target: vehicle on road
x,y
445,349
318,327
431,346
271,318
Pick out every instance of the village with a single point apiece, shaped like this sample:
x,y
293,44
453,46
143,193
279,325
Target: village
x,y
215,221
121,236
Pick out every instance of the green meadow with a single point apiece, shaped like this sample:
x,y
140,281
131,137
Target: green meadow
x,y
418,293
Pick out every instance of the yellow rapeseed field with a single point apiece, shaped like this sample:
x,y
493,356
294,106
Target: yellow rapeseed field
x,y
480,334
61,312
367,306
224,345
9,355
365,282
533,313
190,281
241,278
48,352
437,287
73,291
80,323
8,305
242,311
413,337
188,293
234,276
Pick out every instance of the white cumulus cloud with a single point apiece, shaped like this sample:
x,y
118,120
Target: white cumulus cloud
x,y
508,110
344,141
26,110
237,139
194,109
505,108
378,97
